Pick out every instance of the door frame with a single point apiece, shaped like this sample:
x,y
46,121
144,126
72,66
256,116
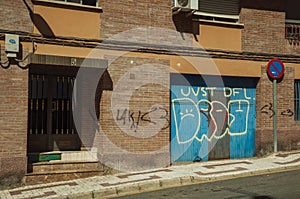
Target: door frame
x,y
49,141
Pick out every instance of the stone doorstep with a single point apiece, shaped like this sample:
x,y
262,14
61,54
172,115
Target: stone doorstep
x,y
57,162
46,177
79,155
70,155
57,165
58,170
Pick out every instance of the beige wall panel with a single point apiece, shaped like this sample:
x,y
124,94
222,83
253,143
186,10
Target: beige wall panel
x,y
220,37
68,22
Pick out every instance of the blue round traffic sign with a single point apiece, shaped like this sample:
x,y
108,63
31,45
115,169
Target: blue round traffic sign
x,y
275,68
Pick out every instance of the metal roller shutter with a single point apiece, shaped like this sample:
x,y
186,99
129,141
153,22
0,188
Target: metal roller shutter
x,y
226,7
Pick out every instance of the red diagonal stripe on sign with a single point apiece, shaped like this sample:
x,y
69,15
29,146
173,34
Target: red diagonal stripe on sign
x,y
275,67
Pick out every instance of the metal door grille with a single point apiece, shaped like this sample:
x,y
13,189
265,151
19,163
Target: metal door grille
x,y
62,120
50,97
37,105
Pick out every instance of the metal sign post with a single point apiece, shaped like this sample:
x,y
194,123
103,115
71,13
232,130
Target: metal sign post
x,y
275,71
275,115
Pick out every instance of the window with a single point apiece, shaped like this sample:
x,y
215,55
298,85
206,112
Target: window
x,y
219,10
228,7
292,31
82,2
297,100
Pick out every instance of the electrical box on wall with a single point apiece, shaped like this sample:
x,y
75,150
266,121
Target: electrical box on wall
x,y
12,45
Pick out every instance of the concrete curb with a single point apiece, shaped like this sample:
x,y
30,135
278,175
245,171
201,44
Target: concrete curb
x,y
169,183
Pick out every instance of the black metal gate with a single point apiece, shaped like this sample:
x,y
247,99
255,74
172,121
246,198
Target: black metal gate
x,y
50,121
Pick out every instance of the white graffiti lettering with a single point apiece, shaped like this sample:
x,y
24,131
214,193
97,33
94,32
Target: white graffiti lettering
x,y
203,91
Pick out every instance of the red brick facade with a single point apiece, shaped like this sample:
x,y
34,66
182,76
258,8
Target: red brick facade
x,y
15,16
123,15
264,31
13,121
13,96
133,127
287,127
141,124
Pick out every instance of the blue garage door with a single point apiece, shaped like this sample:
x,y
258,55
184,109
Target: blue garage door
x,y
212,122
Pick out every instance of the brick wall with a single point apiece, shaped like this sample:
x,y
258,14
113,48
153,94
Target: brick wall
x,y
287,128
13,121
15,16
292,46
264,31
130,128
119,16
140,126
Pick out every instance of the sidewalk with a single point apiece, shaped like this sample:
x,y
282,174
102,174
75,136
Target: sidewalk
x,y
122,184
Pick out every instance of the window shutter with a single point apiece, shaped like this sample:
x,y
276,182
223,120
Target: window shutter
x,y
226,7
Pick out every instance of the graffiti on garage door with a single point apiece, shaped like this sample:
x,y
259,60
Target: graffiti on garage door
x,y
200,115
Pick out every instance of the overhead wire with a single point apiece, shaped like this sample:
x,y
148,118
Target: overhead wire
x,y
152,48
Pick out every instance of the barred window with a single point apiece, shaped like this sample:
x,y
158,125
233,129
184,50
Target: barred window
x,y
292,31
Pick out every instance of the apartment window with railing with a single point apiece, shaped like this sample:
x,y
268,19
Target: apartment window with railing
x,y
292,31
82,2
297,99
292,14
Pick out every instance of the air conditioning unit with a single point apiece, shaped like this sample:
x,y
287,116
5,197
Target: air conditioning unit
x,y
186,4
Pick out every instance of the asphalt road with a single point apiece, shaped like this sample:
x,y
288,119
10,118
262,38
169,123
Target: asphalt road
x,y
272,186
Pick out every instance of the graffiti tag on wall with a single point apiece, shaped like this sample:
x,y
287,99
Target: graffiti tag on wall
x,y
268,109
138,118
